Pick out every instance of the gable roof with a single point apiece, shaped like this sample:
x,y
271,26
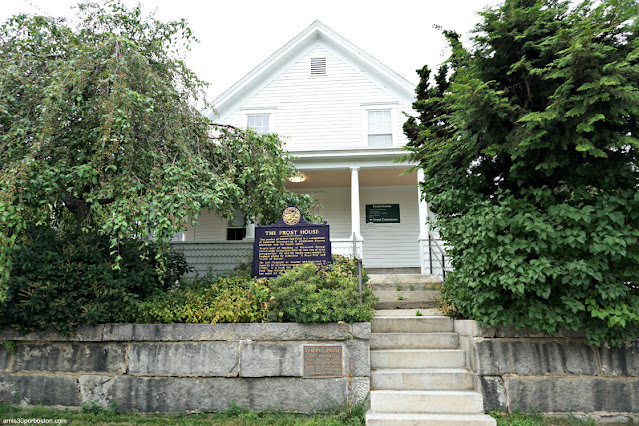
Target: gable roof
x,y
288,54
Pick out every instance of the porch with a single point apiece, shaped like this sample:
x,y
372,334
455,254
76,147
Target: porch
x,y
347,184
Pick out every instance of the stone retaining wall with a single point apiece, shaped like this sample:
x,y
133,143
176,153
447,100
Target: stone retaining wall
x,y
527,369
184,367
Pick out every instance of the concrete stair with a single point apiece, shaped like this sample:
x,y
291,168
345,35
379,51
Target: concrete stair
x,y
419,374
398,419
414,341
404,291
422,379
418,358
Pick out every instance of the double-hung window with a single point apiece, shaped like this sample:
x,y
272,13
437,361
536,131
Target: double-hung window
x,y
236,229
259,123
379,128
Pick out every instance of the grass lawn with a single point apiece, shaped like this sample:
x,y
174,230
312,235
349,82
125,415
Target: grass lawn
x,y
536,419
233,417
237,416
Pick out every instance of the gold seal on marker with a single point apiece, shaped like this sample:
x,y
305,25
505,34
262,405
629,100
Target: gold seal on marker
x,y
291,215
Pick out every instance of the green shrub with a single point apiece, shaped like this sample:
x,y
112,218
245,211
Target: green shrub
x,y
62,281
532,261
304,294
307,294
205,300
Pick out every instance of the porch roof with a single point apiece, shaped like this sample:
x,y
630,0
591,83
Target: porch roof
x,y
344,159
340,178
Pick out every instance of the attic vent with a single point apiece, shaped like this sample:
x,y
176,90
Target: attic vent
x,y
318,66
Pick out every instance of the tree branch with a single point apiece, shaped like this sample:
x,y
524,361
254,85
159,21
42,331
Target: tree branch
x,y
227,126
105,201
529,94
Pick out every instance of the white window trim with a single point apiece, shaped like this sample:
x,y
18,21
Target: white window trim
x,y
270,112
373,106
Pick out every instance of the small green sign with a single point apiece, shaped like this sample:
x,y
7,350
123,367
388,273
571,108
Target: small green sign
x,y
382,213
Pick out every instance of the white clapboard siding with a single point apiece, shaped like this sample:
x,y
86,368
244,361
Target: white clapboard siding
x,y
385,244
335,209
210,227
391,244
322,112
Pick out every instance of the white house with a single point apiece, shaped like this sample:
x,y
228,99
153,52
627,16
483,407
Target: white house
x,y
340,112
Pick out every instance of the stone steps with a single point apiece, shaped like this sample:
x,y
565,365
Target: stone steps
x,y
419,374
405,291
422,379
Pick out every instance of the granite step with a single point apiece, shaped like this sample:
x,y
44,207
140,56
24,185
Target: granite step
x,y
403,278
415,419
411,324
427,401
422,379
407,299
407,286
414,340
407,312
417,358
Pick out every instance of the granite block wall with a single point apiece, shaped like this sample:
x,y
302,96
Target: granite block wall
x,y
530,370
184,367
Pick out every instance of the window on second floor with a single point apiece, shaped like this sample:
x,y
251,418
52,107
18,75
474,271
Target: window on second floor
x,y
259,123
379,129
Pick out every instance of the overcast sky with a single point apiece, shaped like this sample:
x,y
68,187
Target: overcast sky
x,y
236,35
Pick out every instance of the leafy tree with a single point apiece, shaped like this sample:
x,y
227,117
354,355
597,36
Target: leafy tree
x,y
530,153
100,122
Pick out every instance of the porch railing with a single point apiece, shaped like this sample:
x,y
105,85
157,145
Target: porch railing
x,y
437,253
344,247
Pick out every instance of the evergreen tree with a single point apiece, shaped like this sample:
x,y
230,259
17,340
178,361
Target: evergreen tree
x,y
530,156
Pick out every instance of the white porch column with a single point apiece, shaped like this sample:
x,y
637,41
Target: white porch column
x,y
423,226
423,206
355,222
250,231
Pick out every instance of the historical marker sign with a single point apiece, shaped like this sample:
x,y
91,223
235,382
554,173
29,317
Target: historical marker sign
x,y
292,240
382,213
323,361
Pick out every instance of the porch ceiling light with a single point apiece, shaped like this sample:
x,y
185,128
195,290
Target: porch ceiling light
x,y
297,179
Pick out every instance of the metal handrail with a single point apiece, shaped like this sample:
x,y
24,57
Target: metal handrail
x,y
442,252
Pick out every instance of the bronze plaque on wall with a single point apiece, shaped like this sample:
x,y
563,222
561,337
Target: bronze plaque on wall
x,y
323,361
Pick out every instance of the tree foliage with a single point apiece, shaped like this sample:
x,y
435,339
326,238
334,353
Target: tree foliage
x,y
61,280
529,146
100,122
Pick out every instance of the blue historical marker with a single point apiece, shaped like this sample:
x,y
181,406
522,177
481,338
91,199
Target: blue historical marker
x,y
290,241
